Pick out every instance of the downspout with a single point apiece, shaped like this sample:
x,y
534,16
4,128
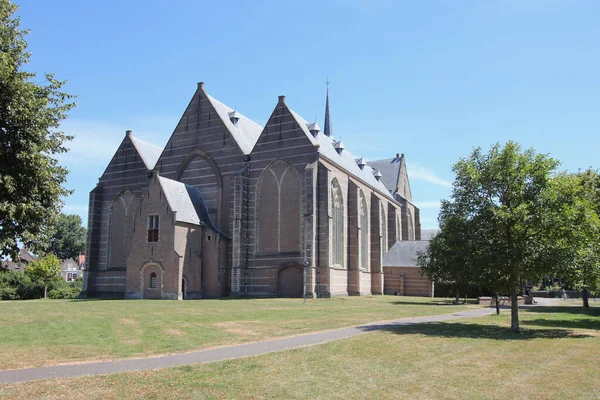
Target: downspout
x,y
247,261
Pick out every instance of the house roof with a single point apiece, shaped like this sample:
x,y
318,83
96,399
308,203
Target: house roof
x,y
147,151
24,255
246,132
404,253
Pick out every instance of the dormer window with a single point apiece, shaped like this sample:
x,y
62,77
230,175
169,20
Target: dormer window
x,y
339,147
361,163
378,175
234,117
314,128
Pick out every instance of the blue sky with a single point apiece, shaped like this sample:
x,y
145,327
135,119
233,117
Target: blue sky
x,y
430,79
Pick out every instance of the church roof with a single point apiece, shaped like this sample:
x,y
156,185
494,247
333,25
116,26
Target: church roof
x,y
246,132
188,204
390,171
147,151
179,201
404,253
347,161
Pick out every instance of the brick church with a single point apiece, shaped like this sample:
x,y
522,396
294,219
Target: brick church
x,y
231,208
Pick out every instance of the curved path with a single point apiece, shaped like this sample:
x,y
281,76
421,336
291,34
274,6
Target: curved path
x,y
219,354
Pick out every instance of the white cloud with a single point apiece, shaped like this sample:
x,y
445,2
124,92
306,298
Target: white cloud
x,y
424,174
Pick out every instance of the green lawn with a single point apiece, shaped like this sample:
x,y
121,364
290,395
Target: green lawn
x,y
555,357
46,332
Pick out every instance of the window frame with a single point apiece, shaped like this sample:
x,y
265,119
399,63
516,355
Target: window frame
x,y
153,228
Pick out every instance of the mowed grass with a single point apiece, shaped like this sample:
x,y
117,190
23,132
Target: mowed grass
x,y
555,357
48,332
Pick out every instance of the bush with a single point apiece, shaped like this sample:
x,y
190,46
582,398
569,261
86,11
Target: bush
x,y
60,289
16,285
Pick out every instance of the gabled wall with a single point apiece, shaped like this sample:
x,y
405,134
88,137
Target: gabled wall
x,y
125,172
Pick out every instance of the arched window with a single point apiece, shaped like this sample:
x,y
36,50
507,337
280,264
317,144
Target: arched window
x,y
153,280
122,213
398,226
383,230
278,216
337,224
363,227
411,226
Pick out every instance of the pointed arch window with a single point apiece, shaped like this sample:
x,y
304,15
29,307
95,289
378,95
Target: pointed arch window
x,y
278,216
122,212
363,227
337,224
383,230
411,226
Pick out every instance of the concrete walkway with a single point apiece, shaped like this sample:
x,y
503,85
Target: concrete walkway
x,y
219,354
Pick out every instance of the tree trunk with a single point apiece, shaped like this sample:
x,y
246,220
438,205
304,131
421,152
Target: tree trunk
x,y
45,290
497,305
514,307
586,303
466,297
457,301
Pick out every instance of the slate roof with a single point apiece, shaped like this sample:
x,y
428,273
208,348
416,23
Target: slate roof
x,y
24,255
346,160
246,132
188,204
428,234
404,253
149,152
390,169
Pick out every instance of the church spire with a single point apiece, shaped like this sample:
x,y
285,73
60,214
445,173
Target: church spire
x,y
327,130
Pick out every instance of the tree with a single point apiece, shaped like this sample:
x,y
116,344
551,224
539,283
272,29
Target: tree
x,y
519,218
30,114
68,237
45,270
583,273
447,258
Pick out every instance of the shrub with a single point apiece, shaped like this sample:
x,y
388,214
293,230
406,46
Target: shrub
x,y
60,289
18,286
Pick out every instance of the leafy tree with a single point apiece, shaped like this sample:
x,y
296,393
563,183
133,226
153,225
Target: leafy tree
x,y
583,272
45,270
447,257
30,113
519,218
68,237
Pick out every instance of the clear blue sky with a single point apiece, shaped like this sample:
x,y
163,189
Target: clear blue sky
x,y
431,79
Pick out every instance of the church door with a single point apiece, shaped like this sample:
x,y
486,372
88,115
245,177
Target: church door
x,y
290,281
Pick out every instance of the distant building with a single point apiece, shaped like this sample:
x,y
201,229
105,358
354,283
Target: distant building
x,y
70,270
231,208
20,264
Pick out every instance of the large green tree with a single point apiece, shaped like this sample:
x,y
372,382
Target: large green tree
x,y
68,237
31,179
520,219
44,270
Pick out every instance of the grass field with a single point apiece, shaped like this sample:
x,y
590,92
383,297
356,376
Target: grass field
x,y
47,332
555,357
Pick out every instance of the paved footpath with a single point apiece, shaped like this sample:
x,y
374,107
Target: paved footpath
x,y
219,354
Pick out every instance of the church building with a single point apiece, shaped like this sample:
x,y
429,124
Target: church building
x,y
232,208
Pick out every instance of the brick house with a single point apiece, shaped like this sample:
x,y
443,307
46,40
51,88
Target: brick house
x,y
229,207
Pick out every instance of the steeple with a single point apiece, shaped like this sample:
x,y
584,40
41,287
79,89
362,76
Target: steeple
x,y
327,130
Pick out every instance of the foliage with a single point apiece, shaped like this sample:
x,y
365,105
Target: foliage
x,y
68,237
45,270
60,289
16,285
511,219
30,114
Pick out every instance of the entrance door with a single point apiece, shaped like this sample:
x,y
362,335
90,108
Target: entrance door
x,y
183,288
290,281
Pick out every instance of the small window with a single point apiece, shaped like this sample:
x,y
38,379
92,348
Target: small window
x,y
153,280
153,228
69,277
